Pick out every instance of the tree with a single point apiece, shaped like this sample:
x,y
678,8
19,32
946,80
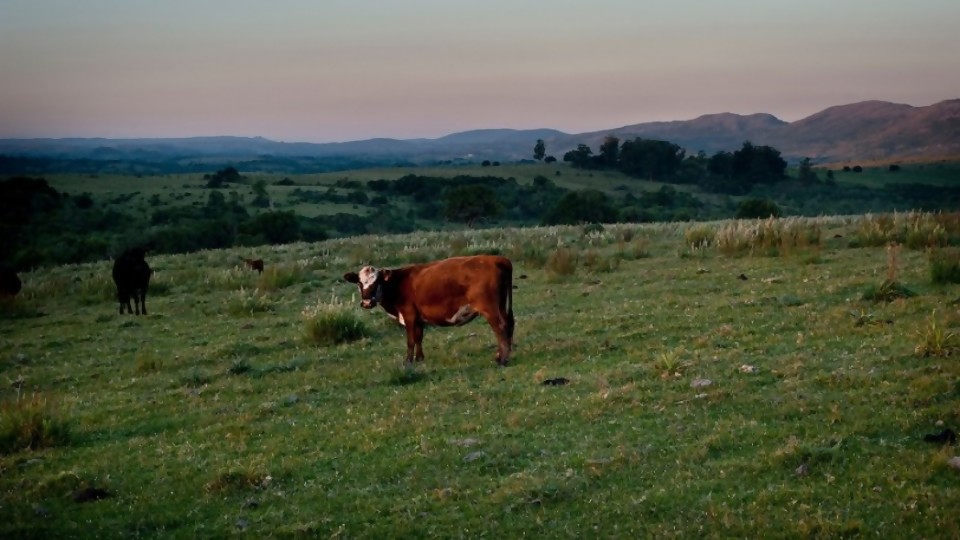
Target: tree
x,y
758,209
610,150
580,158
587,206
469,203
539,150
261,198
805,172
651,159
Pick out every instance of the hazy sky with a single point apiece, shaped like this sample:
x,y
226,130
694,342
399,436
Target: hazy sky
x,y
338,70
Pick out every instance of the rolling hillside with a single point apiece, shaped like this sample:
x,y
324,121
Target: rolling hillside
x,y
867,131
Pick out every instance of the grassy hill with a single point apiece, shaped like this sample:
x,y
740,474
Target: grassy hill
x,y
725,379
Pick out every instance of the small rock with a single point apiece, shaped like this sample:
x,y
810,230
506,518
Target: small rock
x,y
954,462
700,383
473,456
802,470
747,368
242,523
292,399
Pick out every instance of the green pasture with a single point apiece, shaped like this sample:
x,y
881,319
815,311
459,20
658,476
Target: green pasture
x,y
942,173
714,389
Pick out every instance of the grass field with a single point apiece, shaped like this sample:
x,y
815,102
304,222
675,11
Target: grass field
x,y
708,395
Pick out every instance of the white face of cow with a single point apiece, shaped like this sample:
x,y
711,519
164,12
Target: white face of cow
x,y
368,279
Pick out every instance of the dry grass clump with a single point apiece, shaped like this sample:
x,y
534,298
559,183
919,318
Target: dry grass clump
x,y
248,302
935,339
769,237
561,263
916,230
699,236
31,423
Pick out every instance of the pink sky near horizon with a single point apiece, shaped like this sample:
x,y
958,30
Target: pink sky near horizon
x,y
339,70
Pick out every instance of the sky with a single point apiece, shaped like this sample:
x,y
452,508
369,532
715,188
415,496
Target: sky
x,y
342,70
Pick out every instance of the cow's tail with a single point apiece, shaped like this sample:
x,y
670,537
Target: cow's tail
x,y
506,298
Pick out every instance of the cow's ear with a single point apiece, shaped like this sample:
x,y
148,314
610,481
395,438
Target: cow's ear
x,y
351,277
386,274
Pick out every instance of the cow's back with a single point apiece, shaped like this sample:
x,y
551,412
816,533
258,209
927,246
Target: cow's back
x,y
441,288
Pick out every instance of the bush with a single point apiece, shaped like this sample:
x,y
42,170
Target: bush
x,y
945,265
332,323
562,262
247,302
758,209
31,423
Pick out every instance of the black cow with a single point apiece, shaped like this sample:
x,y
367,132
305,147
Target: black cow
x,y
9,282
131,273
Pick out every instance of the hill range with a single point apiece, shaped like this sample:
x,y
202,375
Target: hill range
x,y
869,131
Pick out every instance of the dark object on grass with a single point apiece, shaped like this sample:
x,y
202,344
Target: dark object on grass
x,y
559,381
9,282
946,436
254,264
742,277
131,274
90,494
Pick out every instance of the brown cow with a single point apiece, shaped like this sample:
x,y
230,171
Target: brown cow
x,y
254,264
450,292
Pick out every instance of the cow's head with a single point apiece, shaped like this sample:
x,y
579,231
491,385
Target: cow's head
x,y
370,280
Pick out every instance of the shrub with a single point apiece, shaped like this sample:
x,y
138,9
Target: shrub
x,y
758,209
31,423
945,265
562,262
887,291
699,236
935,340
248,302
332,323
773,237
276,277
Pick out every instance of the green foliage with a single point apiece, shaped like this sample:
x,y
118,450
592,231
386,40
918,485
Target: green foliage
x,y
471,203
944,265
31,423
539,150
888,291
758,208
651,159
332,323
587,206
245,302
221,177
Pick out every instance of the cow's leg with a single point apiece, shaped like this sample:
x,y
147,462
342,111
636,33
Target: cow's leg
x,y
503,329
418,340
143,302
411,341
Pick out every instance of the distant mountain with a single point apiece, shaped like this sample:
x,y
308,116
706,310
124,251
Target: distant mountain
x,y
866,131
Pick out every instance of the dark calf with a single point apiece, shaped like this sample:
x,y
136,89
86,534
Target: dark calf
x,y
9,283
131,274
254,264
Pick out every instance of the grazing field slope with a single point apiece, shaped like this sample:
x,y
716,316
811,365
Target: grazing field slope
x,y
722,379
